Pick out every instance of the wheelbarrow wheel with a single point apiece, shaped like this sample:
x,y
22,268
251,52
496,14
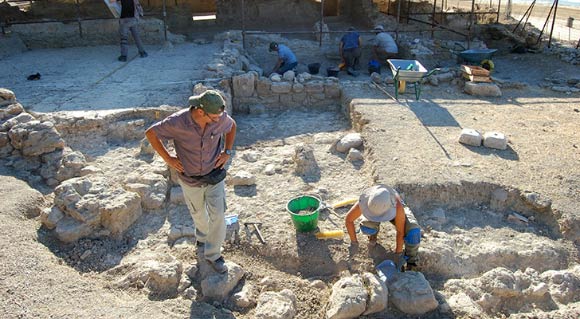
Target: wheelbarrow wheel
x,y
487,64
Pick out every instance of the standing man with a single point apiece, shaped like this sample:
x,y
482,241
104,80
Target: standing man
x,y
381,203
385,47
286,58
350,51
197,134
131,11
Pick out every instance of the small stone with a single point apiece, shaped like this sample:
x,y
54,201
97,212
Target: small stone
x,y
470,137
495,140
86,254
270,169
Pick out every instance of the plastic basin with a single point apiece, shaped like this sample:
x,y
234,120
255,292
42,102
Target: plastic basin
x,y
304,222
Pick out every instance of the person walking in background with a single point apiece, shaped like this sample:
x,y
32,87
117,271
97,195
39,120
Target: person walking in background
x,y
379,204
286,58
201,154
350,50
131,12
384,47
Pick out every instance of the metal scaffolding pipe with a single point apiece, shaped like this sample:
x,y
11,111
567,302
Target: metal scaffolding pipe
x,y
244,24
553,23
321,22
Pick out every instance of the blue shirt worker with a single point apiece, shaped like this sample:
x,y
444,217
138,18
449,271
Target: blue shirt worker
x,y
350,50
379,204
203,136
286,58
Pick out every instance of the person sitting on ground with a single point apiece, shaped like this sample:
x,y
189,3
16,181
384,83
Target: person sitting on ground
x,y
286,58
381,203
384,47
350,51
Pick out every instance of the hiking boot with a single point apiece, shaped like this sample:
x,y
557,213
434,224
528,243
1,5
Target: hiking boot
x,y
219,265
122,58
143,54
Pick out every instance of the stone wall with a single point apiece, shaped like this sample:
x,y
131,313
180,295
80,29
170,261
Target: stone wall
x,y
273,13
257,94
94,32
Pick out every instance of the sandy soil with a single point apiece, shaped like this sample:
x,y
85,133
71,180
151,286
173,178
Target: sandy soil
x,y
410,144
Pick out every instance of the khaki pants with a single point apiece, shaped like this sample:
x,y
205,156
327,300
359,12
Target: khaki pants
x,y
207,206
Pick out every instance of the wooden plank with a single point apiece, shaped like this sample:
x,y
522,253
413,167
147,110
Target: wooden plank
x,y
474,70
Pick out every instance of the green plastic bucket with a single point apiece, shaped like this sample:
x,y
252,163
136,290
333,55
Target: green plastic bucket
x,y
304,222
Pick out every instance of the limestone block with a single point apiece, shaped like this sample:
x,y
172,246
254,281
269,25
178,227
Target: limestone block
x,y
464,306
316,97
275,77
151,187
482,89
121,131
281,87
218,286
246,297
35,138
71,166
540,203
119,211
332,90
14,109
314,87
470,137
287,100
348,298
159,273
263,86
251,156
304,160
6,96
299,98
354,155
563,284
297,87
273,305
495,140
411,293
351,140
244,84
444,77
305,76
270,169
289,76
69,230
241,178
378,293
49,217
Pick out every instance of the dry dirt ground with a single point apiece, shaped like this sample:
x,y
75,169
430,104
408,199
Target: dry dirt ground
x,y
409,144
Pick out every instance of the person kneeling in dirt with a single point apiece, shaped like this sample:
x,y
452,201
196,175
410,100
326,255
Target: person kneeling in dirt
x,y
381,203
197,136
286,59
350,52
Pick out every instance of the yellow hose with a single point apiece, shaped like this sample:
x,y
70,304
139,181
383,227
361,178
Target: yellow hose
x,y
345,202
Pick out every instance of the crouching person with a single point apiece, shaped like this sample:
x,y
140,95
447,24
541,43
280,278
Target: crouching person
x,y
379,204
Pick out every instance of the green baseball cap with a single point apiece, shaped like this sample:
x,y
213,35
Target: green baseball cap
x,y
210,101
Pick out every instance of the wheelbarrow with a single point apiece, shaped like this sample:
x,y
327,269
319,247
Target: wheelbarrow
x,y
408,71
481,57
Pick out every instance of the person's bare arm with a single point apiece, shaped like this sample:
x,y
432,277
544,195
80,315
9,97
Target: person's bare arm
x,y
277,66
351,216
229,144
158,146
400,221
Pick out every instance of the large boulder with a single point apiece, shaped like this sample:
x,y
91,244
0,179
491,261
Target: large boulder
x,y
244,84
378,293
35,138
411,293
151,187
218,286
348,298
273,305
351,140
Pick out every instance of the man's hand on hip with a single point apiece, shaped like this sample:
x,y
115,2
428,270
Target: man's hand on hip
x,y
175,163
222,160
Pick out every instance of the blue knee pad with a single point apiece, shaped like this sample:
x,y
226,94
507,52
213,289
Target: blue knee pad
x,y
368,231
413,237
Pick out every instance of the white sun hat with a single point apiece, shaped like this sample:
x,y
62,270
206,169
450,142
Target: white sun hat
x,y
378,203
